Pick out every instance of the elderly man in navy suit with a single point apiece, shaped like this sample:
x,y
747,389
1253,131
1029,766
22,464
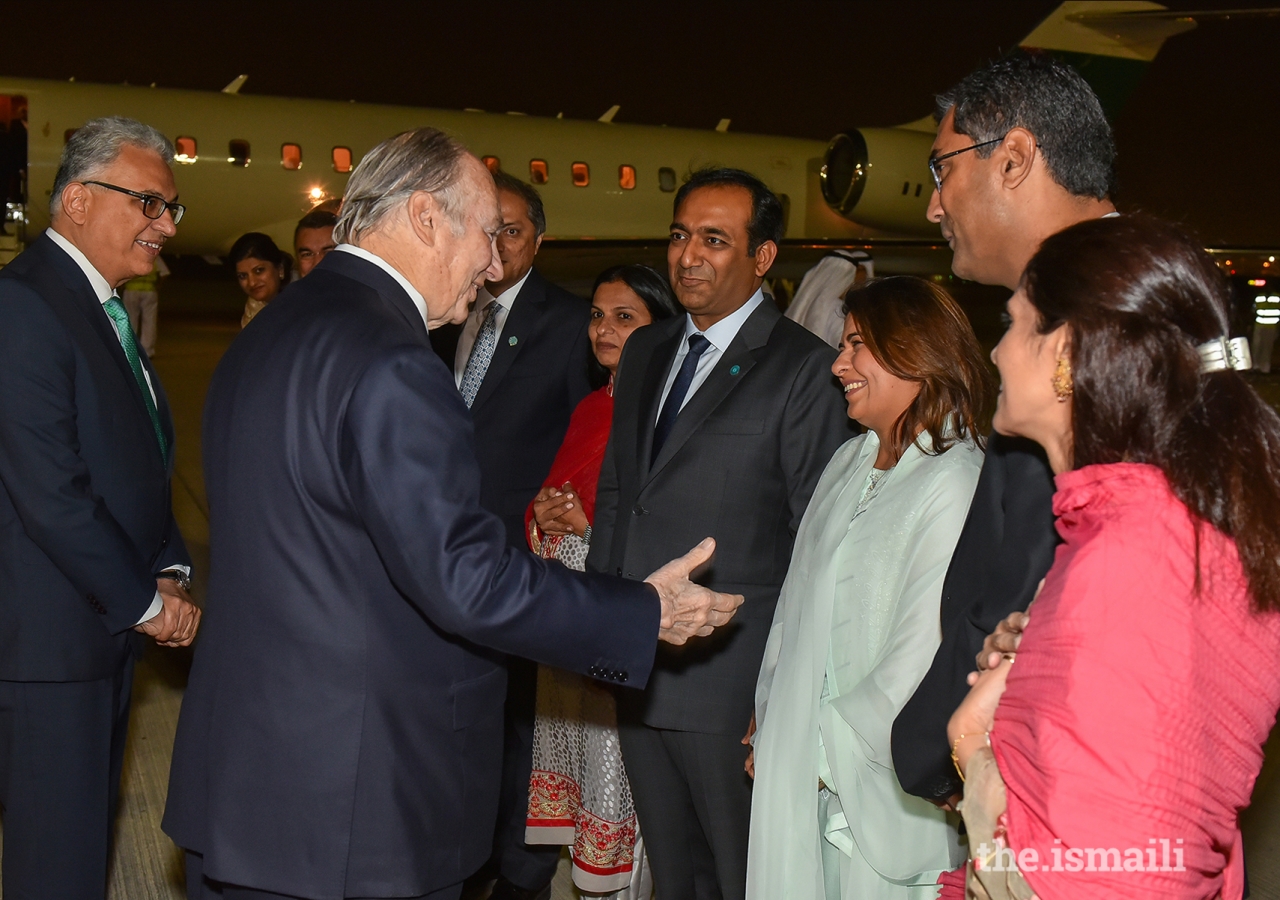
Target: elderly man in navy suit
x,y
341,734
89,552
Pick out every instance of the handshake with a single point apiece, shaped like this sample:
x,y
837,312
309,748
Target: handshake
x,y
688,609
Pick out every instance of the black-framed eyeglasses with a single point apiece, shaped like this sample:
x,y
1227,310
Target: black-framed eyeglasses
x,y
153,206
933,163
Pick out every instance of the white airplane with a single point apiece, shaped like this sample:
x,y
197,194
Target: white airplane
x,y
258,163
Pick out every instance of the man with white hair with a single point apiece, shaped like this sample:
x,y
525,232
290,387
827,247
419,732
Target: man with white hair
x,y
341,734
89,552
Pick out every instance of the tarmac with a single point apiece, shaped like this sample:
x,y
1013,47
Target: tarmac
x,y
199,319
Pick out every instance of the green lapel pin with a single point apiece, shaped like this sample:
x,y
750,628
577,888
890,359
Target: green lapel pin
x,y
513,340
735,370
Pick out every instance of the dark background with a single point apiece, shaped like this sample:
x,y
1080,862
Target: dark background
x,y
1198,140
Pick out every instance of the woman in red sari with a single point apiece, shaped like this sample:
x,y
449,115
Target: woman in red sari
x,y
578,793
1114,758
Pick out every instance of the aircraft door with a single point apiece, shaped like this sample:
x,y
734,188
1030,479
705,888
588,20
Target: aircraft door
x,y
13,175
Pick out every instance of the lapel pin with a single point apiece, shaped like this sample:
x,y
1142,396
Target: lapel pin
x,y
513,340
735,370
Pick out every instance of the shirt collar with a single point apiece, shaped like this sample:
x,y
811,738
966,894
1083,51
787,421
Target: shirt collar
x,y
722,333
506,299
101,288
414,294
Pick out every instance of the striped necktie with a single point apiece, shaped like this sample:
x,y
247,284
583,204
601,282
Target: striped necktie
x,y
115,309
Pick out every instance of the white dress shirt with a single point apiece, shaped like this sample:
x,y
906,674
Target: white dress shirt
x,y
103,291
720,335
414,294
475,319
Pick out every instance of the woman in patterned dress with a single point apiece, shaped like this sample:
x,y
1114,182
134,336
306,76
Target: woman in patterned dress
x,y
578,792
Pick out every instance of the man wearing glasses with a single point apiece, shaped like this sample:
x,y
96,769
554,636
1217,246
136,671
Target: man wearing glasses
x,y
1023,151
90,556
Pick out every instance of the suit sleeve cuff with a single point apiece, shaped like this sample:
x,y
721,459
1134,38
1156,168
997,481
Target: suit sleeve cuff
x,y
152,611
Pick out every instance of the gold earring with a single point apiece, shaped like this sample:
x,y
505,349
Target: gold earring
x,y
1062,384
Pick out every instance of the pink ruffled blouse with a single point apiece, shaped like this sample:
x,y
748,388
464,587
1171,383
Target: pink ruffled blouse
x,y
1131,731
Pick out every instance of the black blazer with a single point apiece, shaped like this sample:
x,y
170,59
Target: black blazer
x,y
341,733
1005,549
85,514
739,465
535,380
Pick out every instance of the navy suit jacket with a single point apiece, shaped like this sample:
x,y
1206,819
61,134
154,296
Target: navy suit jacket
x,y
532,386
342,729
740,465
85,513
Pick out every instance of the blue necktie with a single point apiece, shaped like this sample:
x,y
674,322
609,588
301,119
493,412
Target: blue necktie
x,y
481,355
679,388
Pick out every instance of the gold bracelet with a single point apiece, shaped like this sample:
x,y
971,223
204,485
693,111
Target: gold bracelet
x,y
955,759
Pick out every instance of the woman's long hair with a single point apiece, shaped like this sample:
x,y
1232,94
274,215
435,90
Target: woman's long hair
x,y
917,332
1138,297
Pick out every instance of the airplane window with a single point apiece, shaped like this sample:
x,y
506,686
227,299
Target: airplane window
x,y
66,135
238,153
291,156
342,159
538,171
906,186
492,163
918,187
627,178
667,179
581,174
186,150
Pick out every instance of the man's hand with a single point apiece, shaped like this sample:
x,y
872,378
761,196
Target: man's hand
x,y
689,609
750,764
179,618
1003,641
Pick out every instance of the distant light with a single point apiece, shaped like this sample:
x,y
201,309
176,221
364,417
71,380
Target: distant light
x,y
1257,282
1266,265
1271,259
1233,271
1228,262
316,194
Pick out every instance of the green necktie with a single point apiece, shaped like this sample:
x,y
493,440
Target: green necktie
x,y
115,309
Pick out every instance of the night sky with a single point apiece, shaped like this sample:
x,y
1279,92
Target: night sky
x,y
1198,141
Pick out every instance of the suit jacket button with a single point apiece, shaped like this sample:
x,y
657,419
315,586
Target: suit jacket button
x,y
640,511
619,571
622,677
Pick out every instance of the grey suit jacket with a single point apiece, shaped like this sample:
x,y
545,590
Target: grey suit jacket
x,y
740,465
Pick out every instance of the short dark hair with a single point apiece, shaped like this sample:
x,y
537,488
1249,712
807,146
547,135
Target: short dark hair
x,y
1050,99
767,220
256,245
917,332
317,218
652,287
530,195
1138,297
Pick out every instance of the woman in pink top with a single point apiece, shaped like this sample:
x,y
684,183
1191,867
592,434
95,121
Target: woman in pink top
x,y
1128,735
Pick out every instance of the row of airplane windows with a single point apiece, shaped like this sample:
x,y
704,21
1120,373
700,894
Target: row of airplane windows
x,y
238,154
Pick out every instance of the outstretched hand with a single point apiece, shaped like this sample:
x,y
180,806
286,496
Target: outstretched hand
x,y
688,609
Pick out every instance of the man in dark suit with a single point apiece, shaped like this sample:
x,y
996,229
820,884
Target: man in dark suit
x,y
520,362
341,733
723,421
1023,151
89,552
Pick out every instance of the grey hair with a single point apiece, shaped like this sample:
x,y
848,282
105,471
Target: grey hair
x,y
97,144
425,159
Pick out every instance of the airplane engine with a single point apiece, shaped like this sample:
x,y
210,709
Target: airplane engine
x,y
879,177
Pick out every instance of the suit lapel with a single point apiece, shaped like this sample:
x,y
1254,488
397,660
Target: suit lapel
x,y
655,378
516,331
729,372
76,304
